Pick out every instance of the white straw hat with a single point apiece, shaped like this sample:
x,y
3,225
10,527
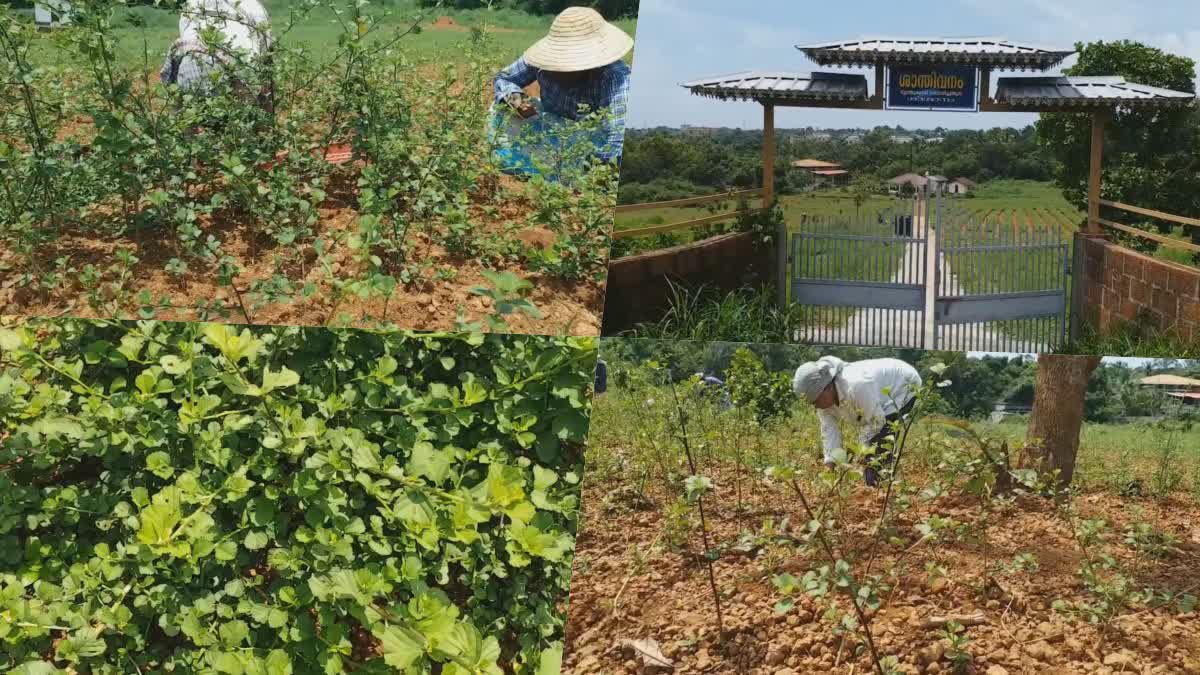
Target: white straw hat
x,y
579,39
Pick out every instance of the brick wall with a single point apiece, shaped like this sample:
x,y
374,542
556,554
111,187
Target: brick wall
x,y
1121,286
638,288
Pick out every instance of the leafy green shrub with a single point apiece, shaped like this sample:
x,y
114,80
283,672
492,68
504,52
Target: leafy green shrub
x,y
768,394
189,498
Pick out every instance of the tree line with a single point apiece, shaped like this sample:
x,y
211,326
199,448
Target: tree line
x,y
975,386
663,163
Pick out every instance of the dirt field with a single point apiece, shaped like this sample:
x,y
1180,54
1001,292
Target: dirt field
x,y
430,305
629,585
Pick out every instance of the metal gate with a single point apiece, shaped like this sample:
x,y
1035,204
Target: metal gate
x,y
927,273
859,277
1001,283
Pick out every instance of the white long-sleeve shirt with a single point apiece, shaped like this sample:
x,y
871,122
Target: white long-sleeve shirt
x,y
862,402
244,23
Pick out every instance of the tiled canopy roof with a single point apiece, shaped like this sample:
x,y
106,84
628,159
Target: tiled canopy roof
x,y
782,86
1085,91
1024,92
982,51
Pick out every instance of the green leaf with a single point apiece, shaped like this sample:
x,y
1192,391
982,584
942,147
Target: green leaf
x,y
400,648
550,662
256,540
278,663
234,633
78,647
281,380
159,464
234,346
158,523
226,662
35,668
429,462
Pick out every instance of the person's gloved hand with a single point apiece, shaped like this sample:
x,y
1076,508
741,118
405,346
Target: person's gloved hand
x,y
521,104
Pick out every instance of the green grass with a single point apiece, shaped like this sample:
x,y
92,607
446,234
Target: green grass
x,y
1135,339
744,315
1112,457
1115,455
318,32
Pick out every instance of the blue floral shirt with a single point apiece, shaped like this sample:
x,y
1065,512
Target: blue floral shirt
x,y
607,88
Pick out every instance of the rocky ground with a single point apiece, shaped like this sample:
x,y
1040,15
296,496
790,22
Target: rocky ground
x,y
640,605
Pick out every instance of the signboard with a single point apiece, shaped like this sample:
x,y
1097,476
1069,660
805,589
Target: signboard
x,y
933,87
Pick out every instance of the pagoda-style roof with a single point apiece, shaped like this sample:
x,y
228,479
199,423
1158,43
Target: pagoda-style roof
x,y
997,53
782,86
1019,94
815,164
1085,91
1167,380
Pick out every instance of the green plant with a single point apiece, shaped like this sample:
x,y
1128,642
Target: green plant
x,y
767,394
957,645
201,498
507,293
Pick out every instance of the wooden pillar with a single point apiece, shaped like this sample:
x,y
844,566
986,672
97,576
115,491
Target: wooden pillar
x,y
1094,171
768,154
985,89
880,92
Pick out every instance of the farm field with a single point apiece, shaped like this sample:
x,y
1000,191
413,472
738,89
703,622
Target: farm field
x,y
956,579
369,197
203,498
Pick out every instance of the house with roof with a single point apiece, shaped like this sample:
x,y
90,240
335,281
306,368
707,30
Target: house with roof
x,y
1183,389
821,173
960,186
907,183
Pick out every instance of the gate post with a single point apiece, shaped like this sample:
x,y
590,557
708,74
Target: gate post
x,y
781,264
1078,284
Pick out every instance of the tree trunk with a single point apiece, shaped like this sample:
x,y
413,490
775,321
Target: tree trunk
x,y
1062,383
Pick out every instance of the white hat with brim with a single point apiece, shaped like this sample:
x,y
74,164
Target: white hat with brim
x,y
580,39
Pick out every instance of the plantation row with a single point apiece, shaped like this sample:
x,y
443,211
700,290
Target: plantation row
x,y
192,498
365,183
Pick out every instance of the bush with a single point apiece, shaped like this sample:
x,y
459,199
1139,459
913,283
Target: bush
x,y
189,498
751,385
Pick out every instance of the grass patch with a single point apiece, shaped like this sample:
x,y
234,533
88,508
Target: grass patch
x,y
151,30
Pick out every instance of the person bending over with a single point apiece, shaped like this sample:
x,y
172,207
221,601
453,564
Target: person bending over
x,y
869,395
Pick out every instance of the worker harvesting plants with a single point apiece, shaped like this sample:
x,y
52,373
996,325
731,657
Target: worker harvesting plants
x,y
217,39
580,74
871,394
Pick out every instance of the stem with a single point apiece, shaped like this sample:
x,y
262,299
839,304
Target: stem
x,y
833,559
687,449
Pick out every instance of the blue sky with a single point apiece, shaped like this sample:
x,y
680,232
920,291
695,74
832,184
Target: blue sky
x,y
680,40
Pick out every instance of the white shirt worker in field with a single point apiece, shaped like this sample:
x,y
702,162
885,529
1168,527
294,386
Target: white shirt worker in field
x,y
243,37
868,395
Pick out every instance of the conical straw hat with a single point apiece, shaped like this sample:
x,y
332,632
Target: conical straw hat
x,y
579,39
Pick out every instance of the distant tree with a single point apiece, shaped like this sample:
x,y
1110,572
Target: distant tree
x,y
1151,155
